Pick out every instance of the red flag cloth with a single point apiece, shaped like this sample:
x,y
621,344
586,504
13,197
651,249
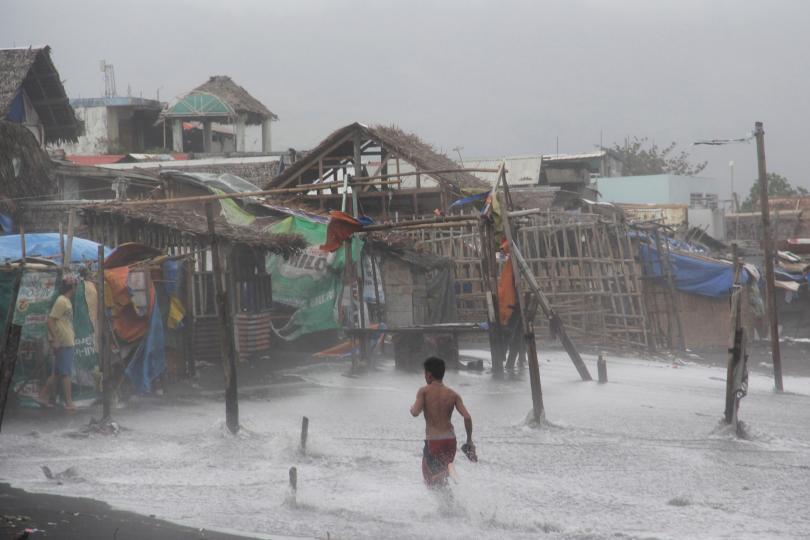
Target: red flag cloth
x,y
507,295
341,227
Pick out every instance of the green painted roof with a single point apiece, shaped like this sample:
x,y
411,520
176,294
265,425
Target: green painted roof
x,y
200,104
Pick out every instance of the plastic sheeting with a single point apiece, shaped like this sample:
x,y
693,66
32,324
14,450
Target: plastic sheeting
x,y
46,245
693,274
149,359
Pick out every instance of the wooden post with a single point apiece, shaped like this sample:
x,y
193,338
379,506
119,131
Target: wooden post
x,y
767,246
735,340
601,367
103,353
304,433
228,346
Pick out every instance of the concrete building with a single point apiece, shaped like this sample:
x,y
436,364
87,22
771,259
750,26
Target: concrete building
x,y
695,191
551,169
699,196
116,125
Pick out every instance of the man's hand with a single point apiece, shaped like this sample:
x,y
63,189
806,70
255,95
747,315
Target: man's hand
x,y
419,404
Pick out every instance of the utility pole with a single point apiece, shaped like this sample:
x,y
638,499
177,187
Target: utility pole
x,y
767,246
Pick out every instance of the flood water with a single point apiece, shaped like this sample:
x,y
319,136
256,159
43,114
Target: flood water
x,y
639,457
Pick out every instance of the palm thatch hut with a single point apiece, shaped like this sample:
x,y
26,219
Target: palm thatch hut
x,y
26,171
32,94
379,149
219,100
181,230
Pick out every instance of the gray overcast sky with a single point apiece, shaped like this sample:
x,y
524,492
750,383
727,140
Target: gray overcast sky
x,y
497,78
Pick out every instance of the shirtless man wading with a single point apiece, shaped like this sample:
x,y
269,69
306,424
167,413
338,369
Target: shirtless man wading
x,y
437,402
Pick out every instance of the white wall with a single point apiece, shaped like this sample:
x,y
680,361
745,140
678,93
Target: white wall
x,y
95,138
711,221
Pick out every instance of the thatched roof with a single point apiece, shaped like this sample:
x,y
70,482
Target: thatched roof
x,y
32,70
189,218
233,96
407,146
25,168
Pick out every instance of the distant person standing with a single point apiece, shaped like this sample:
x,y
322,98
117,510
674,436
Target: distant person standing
x,y
62,340
437,402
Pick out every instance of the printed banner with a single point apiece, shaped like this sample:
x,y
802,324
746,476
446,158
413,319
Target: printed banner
x,y
37,294
310,281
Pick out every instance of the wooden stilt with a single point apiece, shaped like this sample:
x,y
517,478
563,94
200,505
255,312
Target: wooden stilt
x,y
528,328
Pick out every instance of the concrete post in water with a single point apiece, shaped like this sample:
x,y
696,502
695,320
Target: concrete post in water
x,y
601,366
293,480
304,433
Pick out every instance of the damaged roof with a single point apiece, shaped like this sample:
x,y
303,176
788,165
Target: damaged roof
x,y
189,218
396,142
32,70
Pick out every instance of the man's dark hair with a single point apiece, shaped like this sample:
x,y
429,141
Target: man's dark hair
x,y
66,286
435,366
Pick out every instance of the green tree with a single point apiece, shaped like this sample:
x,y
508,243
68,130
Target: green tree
x,y
778,186
640,157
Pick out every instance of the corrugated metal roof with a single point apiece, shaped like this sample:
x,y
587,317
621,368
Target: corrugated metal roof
x,y
101,159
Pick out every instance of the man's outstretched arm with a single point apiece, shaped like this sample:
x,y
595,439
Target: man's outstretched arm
x,y
462,410
419,404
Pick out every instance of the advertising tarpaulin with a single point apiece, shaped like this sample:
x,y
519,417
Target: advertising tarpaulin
x,y
86,357
310,281
37,294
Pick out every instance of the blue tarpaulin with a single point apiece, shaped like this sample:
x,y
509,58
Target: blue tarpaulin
x,y
693,274
46,245
470,199
149,359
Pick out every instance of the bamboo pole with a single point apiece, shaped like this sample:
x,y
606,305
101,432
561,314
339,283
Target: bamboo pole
x,y
277,191
421,173
420,222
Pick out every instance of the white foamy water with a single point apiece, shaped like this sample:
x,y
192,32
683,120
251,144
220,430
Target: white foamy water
x,y
640,457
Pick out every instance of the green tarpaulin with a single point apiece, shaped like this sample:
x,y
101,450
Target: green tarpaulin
x,y
7,281
311,281
86,359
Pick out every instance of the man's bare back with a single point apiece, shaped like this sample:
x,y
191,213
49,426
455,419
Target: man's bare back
x,y
437,401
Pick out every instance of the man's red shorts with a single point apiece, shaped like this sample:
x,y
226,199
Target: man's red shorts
x,y
437,455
